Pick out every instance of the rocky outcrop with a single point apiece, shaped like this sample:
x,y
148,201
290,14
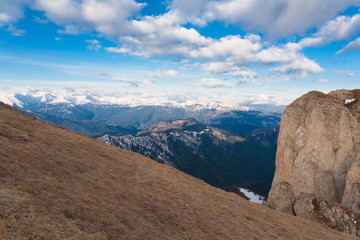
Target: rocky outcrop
x,y
330,214
319,154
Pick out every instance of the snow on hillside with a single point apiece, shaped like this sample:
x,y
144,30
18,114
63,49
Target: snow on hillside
x,y
348,101
252,196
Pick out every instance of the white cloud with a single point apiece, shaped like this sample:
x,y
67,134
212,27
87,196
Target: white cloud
x,y
40,20
342,73
134,82
60,11
228,68
166,73
79,16
341,28
300,67
235,48
244,73
118,50
213,83
266,98
166,34
71,30
321,80
275,18
278,54
93,44
15,31
106,11
218,67
161,36
352,46
11,11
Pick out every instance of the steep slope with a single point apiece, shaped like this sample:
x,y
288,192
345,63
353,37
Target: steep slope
x,y
318,158
56,184
219,157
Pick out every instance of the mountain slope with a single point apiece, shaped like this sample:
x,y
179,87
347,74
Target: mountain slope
x,y
219,157
56,184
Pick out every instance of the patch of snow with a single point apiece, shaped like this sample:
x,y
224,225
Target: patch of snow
x,y
348,101
252,196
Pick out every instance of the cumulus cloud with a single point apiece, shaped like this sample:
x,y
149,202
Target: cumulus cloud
x,y
274,18
230,47
162,36
228,68
300,67
341,28
11,11
171,34
78,16
352,46
120,50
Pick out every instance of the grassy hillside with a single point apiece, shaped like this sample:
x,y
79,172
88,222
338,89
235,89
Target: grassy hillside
x,y
56,184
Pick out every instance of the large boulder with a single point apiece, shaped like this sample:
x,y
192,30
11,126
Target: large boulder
x,y
319,151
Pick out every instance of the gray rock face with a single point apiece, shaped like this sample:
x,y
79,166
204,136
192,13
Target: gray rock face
x,y
330,214
319,151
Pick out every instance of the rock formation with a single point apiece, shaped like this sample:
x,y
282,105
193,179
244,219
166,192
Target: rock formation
x,y
318,159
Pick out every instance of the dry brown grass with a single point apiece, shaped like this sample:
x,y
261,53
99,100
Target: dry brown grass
x,y
56,184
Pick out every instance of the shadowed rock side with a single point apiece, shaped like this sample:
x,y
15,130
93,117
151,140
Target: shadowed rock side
x,y
318,158
56,184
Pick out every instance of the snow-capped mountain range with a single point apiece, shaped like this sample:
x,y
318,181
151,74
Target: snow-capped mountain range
x,y
21,97
99,112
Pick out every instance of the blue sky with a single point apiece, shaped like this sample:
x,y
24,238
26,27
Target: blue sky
x,y
233,51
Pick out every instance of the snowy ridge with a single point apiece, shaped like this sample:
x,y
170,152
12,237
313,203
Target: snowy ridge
x,y
156,145
20,97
